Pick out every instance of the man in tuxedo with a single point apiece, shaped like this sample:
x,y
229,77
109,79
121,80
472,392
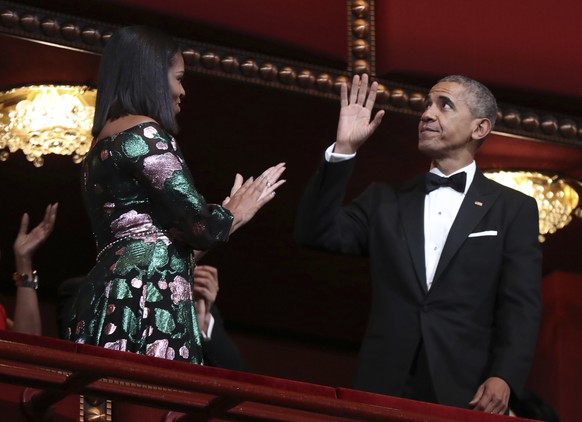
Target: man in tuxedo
x,y
454,256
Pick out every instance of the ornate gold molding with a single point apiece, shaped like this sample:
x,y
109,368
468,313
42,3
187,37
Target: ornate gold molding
x,y
276,72
361,36
95,409
53,28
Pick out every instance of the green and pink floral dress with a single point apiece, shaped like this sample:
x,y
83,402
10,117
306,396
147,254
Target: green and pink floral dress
x,y
147,218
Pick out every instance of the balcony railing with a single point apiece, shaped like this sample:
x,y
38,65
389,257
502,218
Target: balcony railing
x,y
49,379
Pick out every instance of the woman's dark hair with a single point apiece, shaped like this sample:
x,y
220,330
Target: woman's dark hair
x,y
133,77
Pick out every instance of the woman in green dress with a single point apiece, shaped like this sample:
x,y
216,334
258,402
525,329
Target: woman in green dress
x,y
147,217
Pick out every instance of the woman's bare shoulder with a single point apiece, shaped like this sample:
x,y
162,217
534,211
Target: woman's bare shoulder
x,y
122,124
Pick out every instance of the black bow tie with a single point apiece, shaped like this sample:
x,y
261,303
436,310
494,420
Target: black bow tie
x,y
456,181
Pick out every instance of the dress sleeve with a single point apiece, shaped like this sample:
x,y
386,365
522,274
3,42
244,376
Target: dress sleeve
x,y
150,154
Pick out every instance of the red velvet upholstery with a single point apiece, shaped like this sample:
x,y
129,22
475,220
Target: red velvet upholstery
x,y
557,370
144,389
289,385
2,318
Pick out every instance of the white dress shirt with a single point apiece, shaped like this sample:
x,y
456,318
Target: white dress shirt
x,y
440,210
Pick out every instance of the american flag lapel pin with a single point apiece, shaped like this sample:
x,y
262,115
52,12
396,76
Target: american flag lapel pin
x,y
479,203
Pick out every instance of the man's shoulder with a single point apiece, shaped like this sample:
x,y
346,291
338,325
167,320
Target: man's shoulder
x,y
508,193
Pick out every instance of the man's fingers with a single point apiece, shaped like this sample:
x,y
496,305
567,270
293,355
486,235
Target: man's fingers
x,y
213,271
477,396
377,120
486,402
355,89
344,95
363,90
372,96
206,273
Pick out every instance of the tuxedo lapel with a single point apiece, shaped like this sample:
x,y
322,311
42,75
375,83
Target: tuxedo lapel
x,y
411,203
479,199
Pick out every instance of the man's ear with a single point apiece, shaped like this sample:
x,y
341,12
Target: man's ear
x,y
482,128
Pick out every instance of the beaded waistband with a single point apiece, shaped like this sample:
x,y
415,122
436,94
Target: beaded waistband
x,y
128,237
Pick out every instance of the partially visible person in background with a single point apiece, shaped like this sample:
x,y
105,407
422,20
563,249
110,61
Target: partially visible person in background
x,y
26,310
66,293
218,348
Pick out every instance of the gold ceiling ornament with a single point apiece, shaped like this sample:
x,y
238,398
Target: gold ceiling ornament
x,y
46,119
557,197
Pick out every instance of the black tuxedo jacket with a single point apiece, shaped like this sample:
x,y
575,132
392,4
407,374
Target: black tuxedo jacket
x,y
479,319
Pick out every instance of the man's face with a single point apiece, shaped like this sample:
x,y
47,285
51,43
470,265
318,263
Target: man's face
x,y
447,124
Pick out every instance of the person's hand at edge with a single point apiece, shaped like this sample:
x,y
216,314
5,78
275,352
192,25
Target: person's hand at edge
x,y
205,291
27,243
26,311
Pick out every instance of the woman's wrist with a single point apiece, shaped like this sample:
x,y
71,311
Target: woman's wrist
x,y
23,264
236,223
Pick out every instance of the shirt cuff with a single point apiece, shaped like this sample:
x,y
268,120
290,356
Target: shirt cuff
x,y
334,157
207,336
